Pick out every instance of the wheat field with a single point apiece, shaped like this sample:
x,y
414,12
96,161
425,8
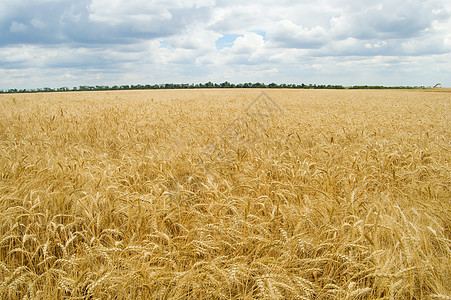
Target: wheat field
x,y
209,194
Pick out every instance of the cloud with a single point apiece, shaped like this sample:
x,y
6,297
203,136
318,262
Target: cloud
x,y
249,43
17,27
248,49
194,38
97,21
43,22
387,19
238,19
287,34
110,41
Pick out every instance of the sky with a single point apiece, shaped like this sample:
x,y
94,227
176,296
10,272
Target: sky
x,y
67,43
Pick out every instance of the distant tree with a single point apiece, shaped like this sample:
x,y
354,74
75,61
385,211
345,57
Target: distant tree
x,y
225,84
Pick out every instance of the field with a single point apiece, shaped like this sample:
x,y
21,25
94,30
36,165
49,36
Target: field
x,y
226,194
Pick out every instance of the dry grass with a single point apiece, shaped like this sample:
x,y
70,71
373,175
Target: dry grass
x,y
112,195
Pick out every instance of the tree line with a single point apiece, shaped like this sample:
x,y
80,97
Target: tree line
x,y
209,84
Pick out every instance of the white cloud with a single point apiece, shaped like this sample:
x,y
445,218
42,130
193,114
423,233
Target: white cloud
x,y
238,18
16,55
250,43
17,27
141,12
248,49
37,23
194,38
115,12
287,34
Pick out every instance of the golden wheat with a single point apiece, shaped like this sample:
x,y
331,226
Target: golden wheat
x,y
180,195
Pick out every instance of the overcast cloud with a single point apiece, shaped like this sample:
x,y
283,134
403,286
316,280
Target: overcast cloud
x,y
56,43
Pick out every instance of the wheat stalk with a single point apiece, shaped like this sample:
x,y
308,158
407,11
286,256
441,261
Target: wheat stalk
x,y
150,194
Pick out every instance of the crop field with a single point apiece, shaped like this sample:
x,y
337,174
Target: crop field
x,y
226,194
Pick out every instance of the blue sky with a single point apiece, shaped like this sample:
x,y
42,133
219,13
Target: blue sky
x,y
56,43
